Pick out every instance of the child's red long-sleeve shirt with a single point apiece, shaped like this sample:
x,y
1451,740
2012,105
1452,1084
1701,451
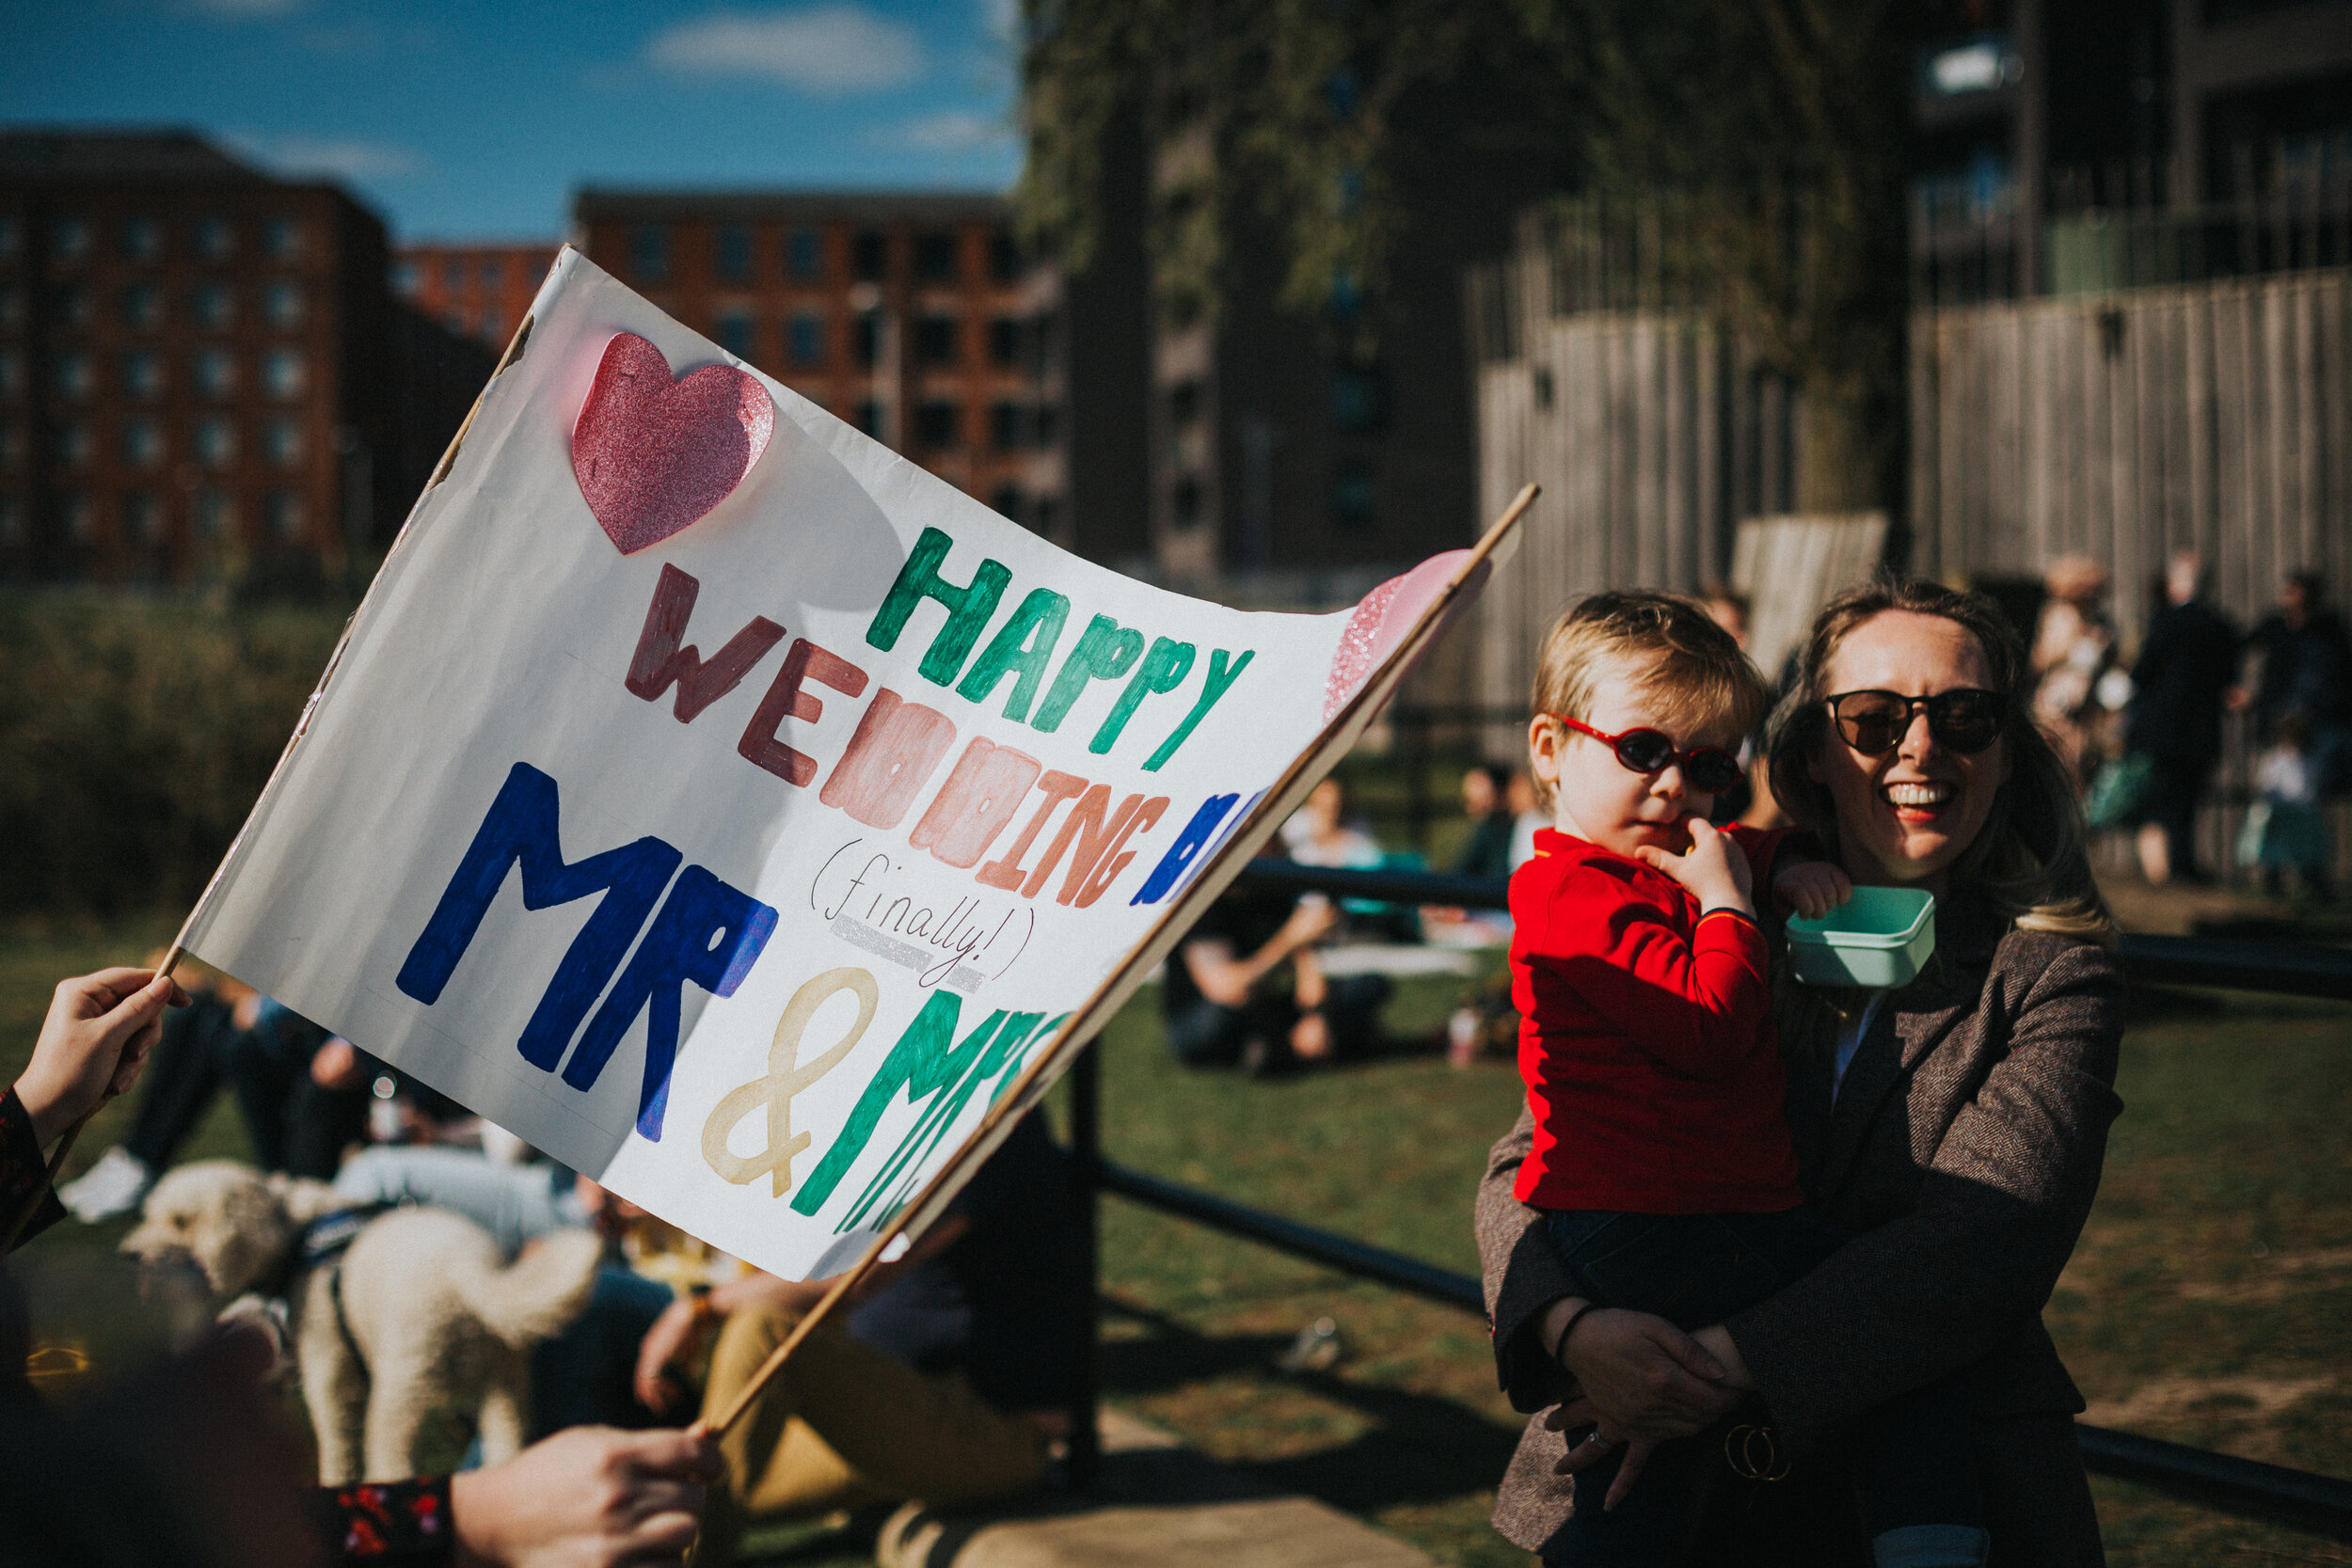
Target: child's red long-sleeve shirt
x,y
1645,1039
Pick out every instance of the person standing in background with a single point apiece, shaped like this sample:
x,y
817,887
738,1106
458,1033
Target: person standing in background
x,y
2186,668
2073,646
2307,670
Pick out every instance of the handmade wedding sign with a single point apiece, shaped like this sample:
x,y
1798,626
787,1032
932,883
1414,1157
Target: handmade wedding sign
x,y
738,813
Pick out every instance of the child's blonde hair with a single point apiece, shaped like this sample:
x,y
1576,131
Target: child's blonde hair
x,y
1698,673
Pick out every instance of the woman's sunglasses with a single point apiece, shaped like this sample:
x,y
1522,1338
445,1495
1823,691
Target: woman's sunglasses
x,y
1966,720
1708,768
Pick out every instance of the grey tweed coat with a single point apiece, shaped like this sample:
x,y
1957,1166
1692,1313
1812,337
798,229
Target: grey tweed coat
x,y
1963,1151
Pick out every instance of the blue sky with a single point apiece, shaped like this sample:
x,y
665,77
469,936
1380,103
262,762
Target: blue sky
x,y
463,121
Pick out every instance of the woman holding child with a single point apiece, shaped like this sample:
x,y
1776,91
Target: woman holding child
x,y
1649,1269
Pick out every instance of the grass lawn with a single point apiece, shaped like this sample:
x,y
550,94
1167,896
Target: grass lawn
x,y
2207,1305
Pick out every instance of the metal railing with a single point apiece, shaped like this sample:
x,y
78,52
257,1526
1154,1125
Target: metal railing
x,y
2322,1504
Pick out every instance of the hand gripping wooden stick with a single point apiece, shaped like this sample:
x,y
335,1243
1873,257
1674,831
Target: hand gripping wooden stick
x,y
65,1140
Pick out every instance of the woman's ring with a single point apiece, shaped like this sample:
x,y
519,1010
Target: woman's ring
x,y
1604,1444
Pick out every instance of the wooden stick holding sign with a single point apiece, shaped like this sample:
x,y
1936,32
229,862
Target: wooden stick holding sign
x,y
1209,881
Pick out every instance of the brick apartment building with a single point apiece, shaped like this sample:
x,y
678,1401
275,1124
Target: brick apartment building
x,y
477,291
195,363
915,317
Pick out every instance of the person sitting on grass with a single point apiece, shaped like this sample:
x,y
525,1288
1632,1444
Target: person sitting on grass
x,y
947,1378
1662,1163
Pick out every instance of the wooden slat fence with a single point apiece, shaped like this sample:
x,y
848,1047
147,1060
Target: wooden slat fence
x,y
2216,416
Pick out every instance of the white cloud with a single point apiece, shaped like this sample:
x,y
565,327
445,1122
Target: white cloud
x,y
346,158
835,48
950,131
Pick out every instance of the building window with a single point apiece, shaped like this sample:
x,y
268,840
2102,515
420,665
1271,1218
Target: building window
x,y
281,304
872,256
11,373
453,274
1046,514
1352,490
281,443
734,254
216,443
1043,425
142,443
459,324
73,305
493,273
142,308
935,258
1004,342
214,515
282,373
804,255
75,444
142,238
11,517
11,238
935,341
212,306
1007,502
215,239
73,517
281,515
11,444
142,517
281,238
936,425
806,338
143,373
69,238
1004,257
1184,405
865,338
733,333
11,306
1004,426
649,253
74,377
869,418
215,372
1184,505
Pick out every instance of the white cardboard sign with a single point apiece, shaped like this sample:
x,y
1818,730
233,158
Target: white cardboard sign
x,y
737,812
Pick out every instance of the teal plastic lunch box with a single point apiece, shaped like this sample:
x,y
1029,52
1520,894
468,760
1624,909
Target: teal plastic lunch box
x,y
1877,939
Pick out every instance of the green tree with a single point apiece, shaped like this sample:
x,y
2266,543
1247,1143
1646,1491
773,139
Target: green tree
x,y
1763,143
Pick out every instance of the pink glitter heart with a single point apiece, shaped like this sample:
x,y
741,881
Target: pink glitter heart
x,y
653,455
1381,620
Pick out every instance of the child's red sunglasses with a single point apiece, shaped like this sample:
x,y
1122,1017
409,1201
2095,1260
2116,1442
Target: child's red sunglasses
x,y
1708,768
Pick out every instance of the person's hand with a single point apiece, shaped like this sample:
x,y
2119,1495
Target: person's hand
x,y
1643,1378
668,1343
1310,923
1716,870
586,1497
92,1044
1812,888
336,1065
1597,1445
2237,699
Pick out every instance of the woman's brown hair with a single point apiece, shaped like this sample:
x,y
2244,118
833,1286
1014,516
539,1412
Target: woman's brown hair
x,y
2029,861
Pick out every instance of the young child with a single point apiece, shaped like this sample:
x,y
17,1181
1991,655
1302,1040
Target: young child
x,y
2287,827
1660,1156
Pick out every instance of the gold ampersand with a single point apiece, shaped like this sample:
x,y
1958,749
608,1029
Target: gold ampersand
x,y
785,1078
